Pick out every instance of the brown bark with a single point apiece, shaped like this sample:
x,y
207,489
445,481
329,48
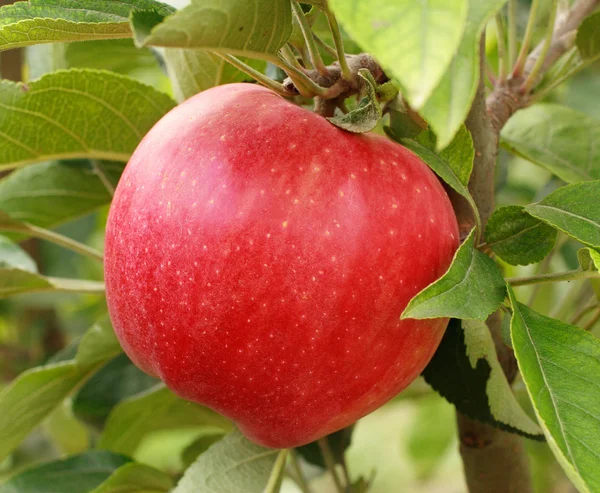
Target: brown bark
x,y
495,461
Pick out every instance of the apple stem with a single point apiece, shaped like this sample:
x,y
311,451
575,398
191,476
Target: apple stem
x,y
309,39
330,462
299,475
256,75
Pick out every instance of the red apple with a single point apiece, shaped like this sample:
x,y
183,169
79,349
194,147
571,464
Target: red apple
x,y
258,259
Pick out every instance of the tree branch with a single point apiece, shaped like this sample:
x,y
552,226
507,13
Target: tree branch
x,y
494,461
508,97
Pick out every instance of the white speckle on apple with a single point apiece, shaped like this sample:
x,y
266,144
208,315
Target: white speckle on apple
x,y
394,206
285,224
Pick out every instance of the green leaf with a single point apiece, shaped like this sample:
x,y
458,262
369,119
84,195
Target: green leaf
x,y
199,446
114,382
402,126
368,112
49,194
136,478
18,272
45,119
453,165
193,71
465,370
588,37
589,259
472,288
459,153
255,27
418,57
53,21
14,257
34,394
338,443
430,437
451,100
67,433
155,409
517,237
77,474
557,138
574,209
560,365
233,464
31,397
98,344
42,59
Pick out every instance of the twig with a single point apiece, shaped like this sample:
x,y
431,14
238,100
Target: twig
x,y
339,44
532,76
502,54
330,50
309,39
591,306
299,475
305,84
512,32
64,241
290,57
543,266
593,321
572,275
517,69
330,462
255,74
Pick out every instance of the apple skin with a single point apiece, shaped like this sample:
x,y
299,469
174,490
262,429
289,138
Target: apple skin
x,y
258,259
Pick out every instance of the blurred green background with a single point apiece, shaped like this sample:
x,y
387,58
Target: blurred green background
x,y
410,444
